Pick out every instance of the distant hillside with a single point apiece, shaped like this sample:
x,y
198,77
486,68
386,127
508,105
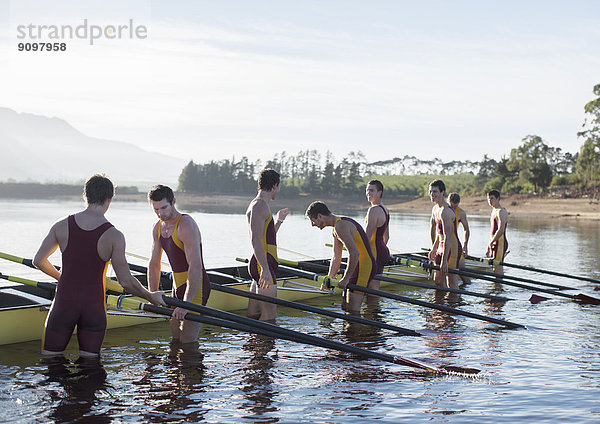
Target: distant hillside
x,y
39,148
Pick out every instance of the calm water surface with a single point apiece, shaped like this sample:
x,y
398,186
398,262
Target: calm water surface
x,y
550,375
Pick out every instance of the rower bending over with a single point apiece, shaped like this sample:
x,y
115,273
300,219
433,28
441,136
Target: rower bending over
x,y
498,219
263,264
178,235
87,242
349,234
446,249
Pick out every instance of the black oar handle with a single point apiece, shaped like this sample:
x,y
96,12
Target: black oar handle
x,y
308,308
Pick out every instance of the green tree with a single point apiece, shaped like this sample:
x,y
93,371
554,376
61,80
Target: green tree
x,y
530,160
188,179
588,162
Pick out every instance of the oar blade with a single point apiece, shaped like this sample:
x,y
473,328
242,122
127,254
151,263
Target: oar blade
x,y
452,369
446,369
535,299
583,298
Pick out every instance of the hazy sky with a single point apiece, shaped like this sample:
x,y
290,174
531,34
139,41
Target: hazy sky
x,y
452,79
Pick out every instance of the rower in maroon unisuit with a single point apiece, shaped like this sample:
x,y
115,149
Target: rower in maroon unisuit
x,y
87,242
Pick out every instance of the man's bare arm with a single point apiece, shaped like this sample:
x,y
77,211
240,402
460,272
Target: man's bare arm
x,y
465,224
47,248
344,232
154,263
374,220
189,234
259,213
336,259
128,281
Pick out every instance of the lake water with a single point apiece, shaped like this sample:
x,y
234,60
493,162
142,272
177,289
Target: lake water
x,y
550,375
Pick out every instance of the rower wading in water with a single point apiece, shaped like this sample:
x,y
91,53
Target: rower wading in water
x,y
87,242
179,236
498,246
263,237
446,249
377,228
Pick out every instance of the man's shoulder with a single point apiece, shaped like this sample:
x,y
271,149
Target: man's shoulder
x,y
187,223
258,206
376,210
114,235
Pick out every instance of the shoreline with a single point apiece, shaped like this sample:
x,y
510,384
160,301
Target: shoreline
x,y
518,206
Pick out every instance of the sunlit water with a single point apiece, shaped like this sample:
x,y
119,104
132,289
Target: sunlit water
x,y
550,375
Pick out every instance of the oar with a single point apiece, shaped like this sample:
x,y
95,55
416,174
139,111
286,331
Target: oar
x,y
19,260
296,305
328,281
144,258
515,278
110,283
580,297
294,252
237,322
407,258
51,287
529,268
395,280
320,311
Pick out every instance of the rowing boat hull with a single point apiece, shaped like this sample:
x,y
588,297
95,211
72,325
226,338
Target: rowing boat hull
x,y
26,322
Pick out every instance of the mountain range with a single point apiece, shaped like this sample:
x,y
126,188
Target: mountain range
x,y
43,149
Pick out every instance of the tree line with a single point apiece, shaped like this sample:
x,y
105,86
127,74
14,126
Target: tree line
x,y
531,167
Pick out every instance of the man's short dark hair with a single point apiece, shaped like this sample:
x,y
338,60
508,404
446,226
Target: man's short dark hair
x,y
377,184
267,179
454,198
316,208
439,184
494,193
98,189
159,192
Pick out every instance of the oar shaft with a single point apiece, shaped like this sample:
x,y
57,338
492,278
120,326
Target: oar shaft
x,y
545,271
529,268
380,277
274,330
425,264
24,261
515,278
42,285
435,287
510,283
442,308
308,308
328,280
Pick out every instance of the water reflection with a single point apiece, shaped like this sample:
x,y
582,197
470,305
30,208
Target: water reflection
x,y
175,384
79,385
257,380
